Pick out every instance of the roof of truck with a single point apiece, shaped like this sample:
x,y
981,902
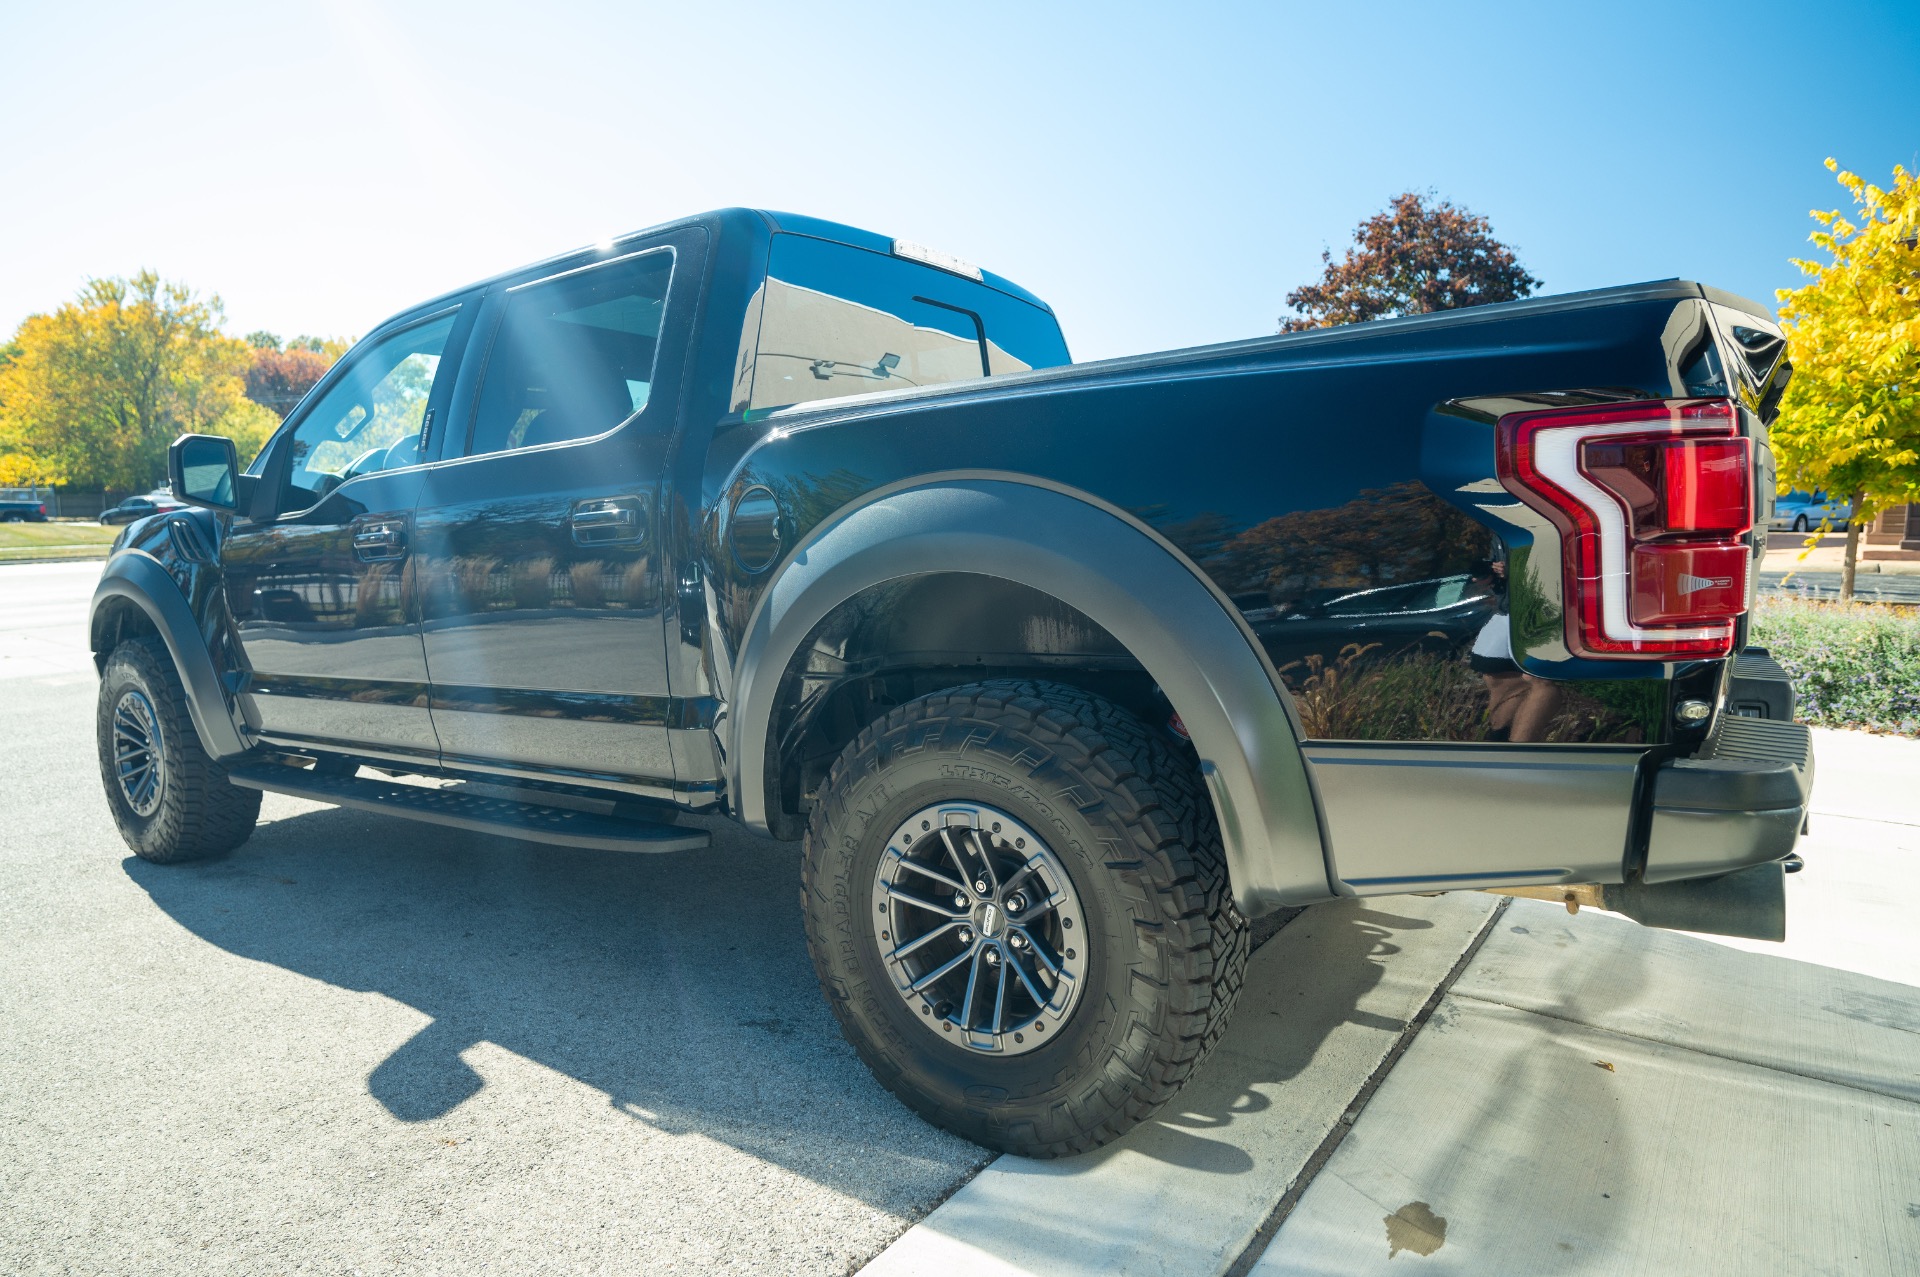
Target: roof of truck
x,y
796,223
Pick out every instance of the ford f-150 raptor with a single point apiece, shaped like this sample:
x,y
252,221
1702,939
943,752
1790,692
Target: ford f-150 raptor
x,y
1061,672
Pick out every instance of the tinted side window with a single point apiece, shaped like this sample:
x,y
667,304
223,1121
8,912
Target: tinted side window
x,y
370,418
836,320
573,356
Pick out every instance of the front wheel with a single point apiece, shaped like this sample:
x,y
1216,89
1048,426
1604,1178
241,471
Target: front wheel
x,y
171,800
1800,523
1017,904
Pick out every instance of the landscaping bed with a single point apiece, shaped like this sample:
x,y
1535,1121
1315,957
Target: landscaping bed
x,y
1856,666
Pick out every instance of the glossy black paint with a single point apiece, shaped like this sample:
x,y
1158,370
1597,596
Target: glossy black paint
x,y
1294,471
1337,486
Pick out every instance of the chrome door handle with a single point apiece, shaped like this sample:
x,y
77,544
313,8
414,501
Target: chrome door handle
x,y
383,540
609,521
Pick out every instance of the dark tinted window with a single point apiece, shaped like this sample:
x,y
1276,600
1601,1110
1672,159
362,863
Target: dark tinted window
x,y
573,356
833,320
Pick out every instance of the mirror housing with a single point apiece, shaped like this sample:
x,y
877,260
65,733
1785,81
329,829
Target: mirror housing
x,y
204,470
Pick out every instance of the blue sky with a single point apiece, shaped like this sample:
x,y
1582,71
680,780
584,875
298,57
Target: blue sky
x,y
1161,174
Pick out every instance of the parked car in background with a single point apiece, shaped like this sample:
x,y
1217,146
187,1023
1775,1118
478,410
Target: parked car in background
x,y
1801,511
139,508
23,512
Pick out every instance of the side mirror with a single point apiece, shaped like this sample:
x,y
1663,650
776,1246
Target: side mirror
x,y
203,470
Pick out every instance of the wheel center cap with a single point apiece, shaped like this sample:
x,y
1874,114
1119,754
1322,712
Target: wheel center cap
x,y
989,919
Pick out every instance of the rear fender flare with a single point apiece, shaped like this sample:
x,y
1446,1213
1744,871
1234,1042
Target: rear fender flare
x,y
1117,573
138,578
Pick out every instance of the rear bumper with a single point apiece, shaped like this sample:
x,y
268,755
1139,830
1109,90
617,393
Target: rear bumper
x,y
1742,800
1441,817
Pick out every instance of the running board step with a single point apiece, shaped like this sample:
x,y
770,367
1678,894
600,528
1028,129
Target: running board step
x,y
480,813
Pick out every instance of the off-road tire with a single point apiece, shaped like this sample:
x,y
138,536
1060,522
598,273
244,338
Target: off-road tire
x,y
200,812
1136,833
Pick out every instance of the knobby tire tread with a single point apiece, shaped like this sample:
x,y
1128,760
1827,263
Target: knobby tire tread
x,y
1185,921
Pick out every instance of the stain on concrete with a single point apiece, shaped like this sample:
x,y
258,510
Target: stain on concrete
x,y
1416,1228
1872,1008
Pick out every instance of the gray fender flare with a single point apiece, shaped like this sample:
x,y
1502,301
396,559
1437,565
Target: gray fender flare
x,y
140,579
1126,580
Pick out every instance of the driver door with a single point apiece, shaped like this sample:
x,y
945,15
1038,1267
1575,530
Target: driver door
x,y
320,579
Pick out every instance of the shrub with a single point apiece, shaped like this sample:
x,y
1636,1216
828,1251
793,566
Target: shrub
x,y
1855,666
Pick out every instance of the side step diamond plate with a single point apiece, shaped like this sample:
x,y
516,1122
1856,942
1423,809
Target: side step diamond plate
x,y
481,814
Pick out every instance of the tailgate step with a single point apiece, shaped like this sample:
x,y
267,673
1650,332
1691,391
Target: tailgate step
x,y
1760,687
479,812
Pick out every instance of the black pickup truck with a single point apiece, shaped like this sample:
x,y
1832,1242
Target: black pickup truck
x,y
1061,672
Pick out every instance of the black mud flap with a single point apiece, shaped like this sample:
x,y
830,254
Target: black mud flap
x,y
1748,902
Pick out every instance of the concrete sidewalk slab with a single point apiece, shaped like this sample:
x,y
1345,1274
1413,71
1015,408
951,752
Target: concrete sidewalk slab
x,y
1852,906
1510,1142
1673,989
1326,1000
1866,776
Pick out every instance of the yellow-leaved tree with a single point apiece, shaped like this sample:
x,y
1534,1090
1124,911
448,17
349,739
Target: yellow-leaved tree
x,y
1849,422
93,393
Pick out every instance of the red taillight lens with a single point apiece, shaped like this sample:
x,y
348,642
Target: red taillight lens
x,y
1652,502
1688,584
1675,485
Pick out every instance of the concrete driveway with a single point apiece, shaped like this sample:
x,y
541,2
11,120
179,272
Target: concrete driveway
x,y
361,1045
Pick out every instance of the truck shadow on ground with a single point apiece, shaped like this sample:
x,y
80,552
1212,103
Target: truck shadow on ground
x,y
1280,1027
679,985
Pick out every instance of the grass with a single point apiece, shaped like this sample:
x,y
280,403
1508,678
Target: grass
x,y
32,541
1856,666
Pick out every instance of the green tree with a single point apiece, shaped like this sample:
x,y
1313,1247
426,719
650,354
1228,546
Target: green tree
x,y
100,387
1850,419
1413,258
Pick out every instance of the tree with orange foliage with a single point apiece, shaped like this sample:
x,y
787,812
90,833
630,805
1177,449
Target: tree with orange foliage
x,y
1414,258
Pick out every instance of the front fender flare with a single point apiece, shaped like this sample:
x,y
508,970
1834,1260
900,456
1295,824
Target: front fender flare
x,y
1180,628
140,579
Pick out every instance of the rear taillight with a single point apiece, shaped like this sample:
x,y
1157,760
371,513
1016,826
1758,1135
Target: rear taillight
x,y
1653,502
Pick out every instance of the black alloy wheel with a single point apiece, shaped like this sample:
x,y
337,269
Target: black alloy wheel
x,y
1017,904
171,801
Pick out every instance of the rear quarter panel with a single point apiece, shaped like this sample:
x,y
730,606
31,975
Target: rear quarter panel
x,y
1297,474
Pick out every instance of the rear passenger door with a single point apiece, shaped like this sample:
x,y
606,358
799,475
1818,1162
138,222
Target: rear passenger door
x,y
537,528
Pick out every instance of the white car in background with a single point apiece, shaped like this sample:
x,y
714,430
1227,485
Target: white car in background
x,y
1804,511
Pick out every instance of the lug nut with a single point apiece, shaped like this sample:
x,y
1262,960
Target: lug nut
x,y
980,885
993,957
1018,941
959,901
966,935
1016,902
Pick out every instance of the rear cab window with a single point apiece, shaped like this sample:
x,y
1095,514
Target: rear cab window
x,y
833,320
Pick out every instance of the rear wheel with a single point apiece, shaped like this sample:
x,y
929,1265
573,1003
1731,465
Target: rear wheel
x,y
1017,904
171,801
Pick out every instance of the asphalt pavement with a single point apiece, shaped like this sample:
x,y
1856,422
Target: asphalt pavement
x,y
365,1046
